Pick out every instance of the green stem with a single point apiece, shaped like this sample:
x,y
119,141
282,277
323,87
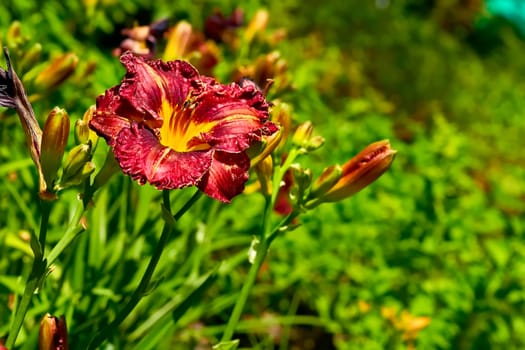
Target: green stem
x,y
73,229
46,210
150,269
265,240
262,251
36,276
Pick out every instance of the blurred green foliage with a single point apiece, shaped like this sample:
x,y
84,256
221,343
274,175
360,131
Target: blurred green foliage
x,y
441,235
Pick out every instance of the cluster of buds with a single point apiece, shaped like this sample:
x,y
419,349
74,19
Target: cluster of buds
x,y
78,165
300,192
202,48
43,77
181,42
305,139
47,146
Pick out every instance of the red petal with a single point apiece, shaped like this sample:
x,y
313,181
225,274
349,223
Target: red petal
x,y
141,156
227,175
105,122
151,83
239,115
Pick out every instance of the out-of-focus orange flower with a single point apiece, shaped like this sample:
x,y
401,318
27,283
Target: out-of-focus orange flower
x,y
142,40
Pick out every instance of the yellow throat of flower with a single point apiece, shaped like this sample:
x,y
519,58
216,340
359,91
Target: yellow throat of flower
x,y
180,132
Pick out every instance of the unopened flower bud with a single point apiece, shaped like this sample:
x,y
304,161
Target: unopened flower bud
x,y
314,143
53,333
80,176
359,172
54,141
264,171
326,181
257,25
14,36
58,70
31,56
282,116
270,68
265,148
302,134
178,41
82,131
303,177
77,158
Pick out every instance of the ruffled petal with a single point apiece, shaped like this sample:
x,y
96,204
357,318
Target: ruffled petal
x,y
154,87
105,121
237,116
226,177
142,157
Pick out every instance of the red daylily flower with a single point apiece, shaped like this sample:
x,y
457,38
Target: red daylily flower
x,y
173,128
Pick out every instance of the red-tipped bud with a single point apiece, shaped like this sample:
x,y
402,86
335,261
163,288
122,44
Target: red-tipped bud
x,y
359,172
53,333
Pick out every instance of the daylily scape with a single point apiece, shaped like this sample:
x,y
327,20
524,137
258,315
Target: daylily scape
x,y
172,127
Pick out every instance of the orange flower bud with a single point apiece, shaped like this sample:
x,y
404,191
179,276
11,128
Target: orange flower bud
x,y
53,333
359,172
58,70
